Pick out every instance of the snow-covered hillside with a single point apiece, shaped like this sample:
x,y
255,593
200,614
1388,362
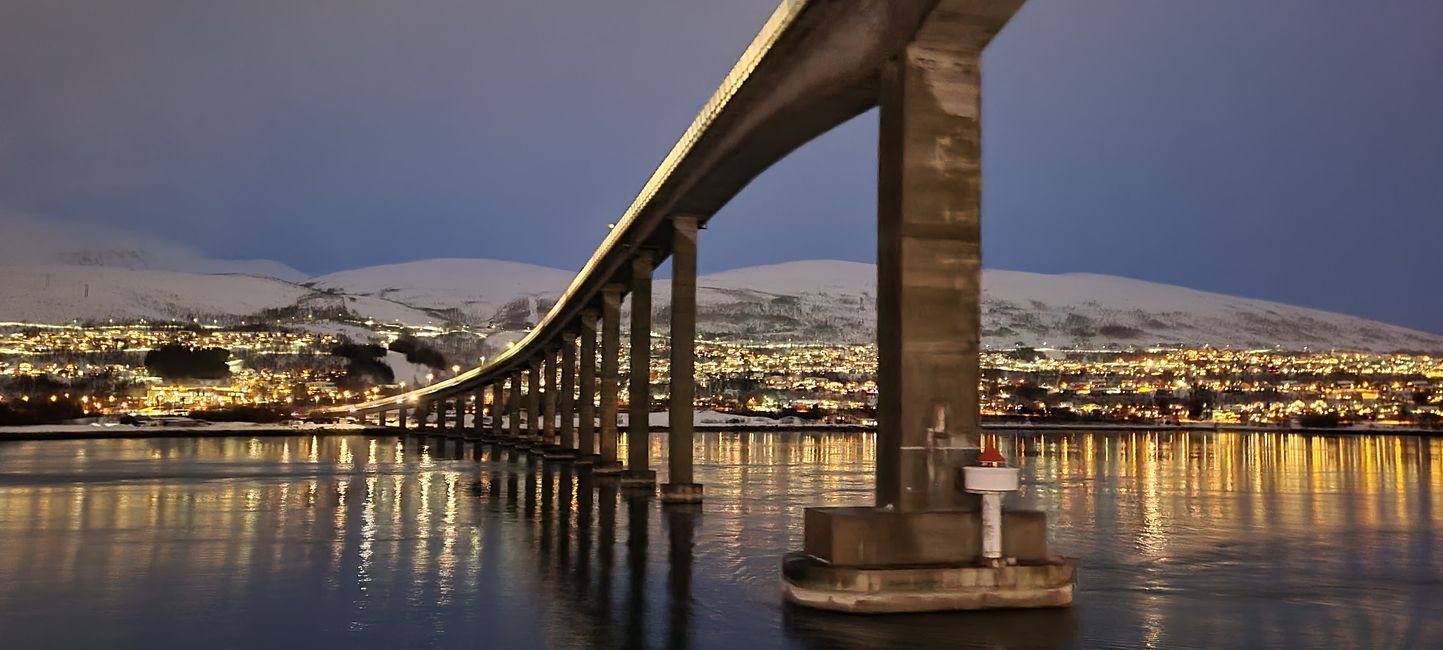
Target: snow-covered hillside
x,y
836,301
827,301
480,291
57,293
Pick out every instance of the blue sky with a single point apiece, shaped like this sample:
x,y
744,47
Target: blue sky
x,y
1290,150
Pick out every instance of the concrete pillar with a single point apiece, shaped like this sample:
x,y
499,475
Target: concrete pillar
x,y
928,326
498,399
443,405
478,415
568,392
586,394
637,473
929,260
549,399
610,379
533,402
681,486
514,407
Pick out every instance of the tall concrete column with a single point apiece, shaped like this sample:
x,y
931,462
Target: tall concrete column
x,y
497,400
586,393
533,403
929,259
478,424
443,406
610,380
514,407
549,400
681,486
568,393
637,473
928,332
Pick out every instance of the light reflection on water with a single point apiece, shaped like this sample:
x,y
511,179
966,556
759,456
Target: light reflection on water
x,y
1184,540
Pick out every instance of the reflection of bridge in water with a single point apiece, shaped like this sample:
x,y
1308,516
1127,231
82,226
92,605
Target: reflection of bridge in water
x,y
1203,540
814,65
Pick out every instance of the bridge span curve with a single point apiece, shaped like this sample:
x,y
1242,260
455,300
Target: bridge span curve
x,y
814,65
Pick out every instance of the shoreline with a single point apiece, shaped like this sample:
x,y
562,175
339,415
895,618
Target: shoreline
x,y
239,430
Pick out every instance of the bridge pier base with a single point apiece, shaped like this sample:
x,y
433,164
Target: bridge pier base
x,y
672,492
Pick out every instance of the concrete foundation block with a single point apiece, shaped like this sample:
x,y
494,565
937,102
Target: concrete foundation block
x,y
872,537
610,468
645,478
810,582
681,493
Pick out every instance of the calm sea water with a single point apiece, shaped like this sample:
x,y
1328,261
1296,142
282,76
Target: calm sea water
x,y
1184,540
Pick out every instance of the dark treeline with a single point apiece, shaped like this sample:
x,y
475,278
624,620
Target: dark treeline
x,y
183,362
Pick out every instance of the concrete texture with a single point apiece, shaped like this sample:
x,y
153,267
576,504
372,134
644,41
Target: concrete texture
x,y
639,371
811,583
872,537
586,390
683,357
673,492
567,396
607,462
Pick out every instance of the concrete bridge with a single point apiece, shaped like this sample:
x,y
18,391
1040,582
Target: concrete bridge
x,y
814,65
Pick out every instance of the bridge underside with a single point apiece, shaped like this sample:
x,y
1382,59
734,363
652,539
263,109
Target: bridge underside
x,y
816,64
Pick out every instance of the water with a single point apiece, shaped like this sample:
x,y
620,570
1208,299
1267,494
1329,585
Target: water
x,y
1184,540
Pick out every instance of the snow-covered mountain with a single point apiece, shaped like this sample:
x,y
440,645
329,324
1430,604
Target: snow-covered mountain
x,y
57,293
477,291
836,301
818,300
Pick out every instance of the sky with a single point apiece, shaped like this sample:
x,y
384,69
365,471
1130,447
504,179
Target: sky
x,y
1289,150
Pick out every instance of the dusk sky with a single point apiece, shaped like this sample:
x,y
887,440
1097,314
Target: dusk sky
x,y
1290,150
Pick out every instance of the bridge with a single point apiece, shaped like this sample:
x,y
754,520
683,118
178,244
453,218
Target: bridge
x,y
814,65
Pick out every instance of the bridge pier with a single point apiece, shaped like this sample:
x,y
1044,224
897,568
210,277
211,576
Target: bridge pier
x,y
514,410
533,405
681,486
497,399
477,430
607,463
586,394
638,474
548,404
918,549
567,399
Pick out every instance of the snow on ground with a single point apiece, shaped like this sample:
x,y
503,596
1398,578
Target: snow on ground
x,y
479,288
809,301
414,374
62,293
